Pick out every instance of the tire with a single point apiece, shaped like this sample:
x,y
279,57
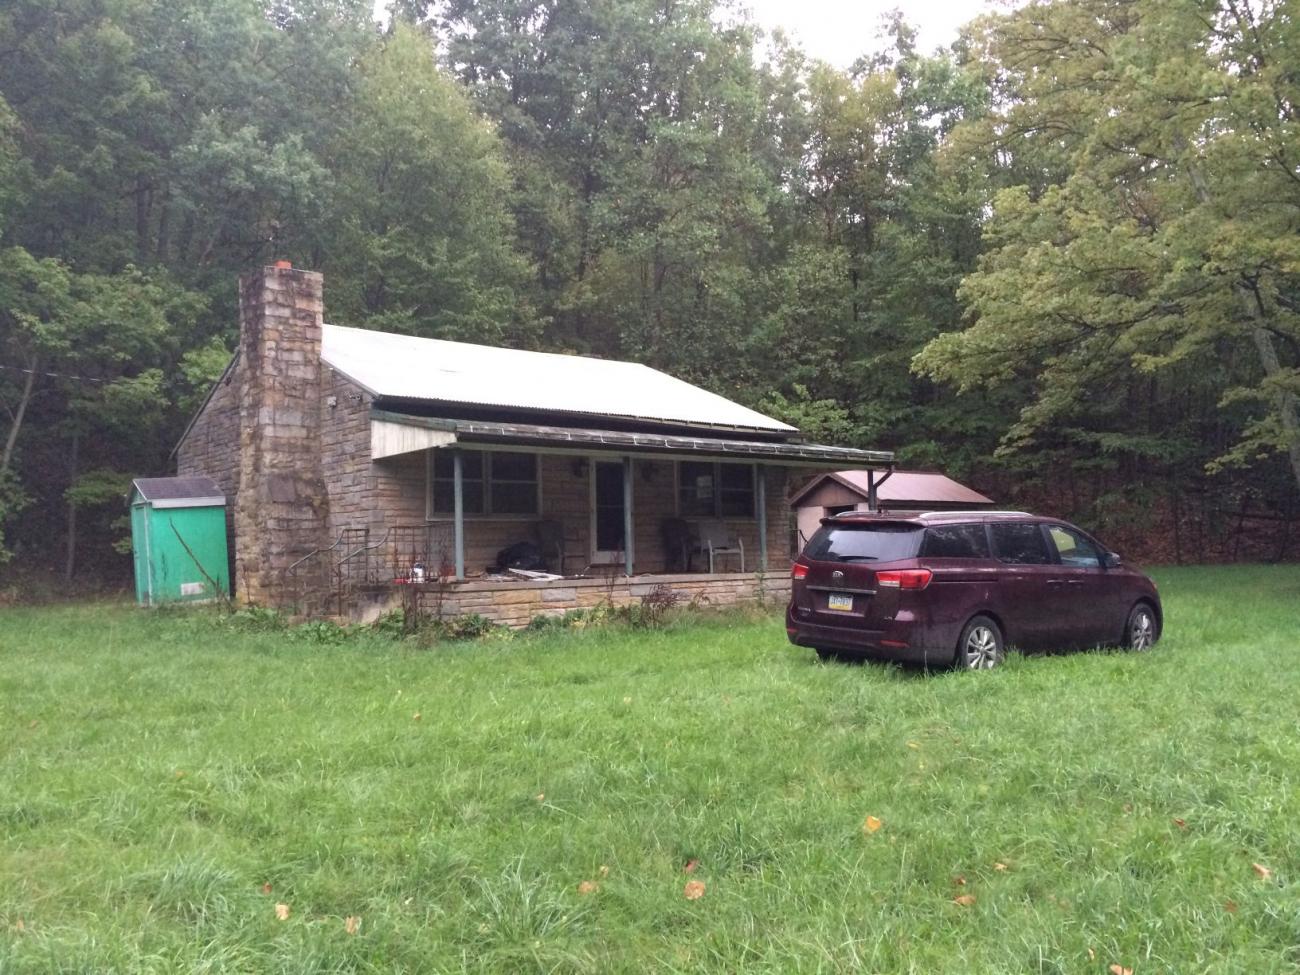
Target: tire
x,y
1141,629
981,645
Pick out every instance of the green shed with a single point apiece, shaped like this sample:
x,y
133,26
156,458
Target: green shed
x,y
178,535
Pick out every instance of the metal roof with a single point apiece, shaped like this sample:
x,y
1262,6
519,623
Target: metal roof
x,y
925,487
405,367
195,489
579,440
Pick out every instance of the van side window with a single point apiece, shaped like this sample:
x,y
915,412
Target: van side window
x,y
956,542
1073,549
1020,543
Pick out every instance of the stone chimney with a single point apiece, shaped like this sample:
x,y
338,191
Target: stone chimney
x,y
282,508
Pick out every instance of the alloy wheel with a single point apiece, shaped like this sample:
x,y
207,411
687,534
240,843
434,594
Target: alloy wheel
x,y
981,649
1141,630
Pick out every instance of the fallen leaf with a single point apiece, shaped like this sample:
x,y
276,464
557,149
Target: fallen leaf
x,y
1120,970
1092,955
1180,823
352,924
1230,907
691,866
999,867
1263,871
693,890
603,870
19,925
180,774
965,900
912,744
415,716
588,887
266,888
959,881
1128,808
871,824
282,911
540,797
33,723
627,700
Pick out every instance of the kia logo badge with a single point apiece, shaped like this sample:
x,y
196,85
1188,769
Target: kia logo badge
x,y
837,576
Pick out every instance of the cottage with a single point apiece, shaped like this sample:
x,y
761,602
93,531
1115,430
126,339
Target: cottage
x,y
361,464
879,490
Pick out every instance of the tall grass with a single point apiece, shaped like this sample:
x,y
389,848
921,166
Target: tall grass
x,y
157,771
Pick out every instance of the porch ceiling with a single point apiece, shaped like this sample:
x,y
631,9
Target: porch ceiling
x,y
579,440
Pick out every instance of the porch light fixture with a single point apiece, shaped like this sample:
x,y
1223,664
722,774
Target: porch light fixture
x,y
579,467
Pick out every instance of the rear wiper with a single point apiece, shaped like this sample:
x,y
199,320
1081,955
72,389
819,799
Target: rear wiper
x,y
858,558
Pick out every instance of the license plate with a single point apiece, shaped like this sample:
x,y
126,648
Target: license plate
x,y
840,601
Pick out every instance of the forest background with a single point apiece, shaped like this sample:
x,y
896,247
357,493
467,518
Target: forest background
x,y
1058,259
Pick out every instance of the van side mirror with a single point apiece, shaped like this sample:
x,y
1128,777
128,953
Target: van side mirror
x,y
1111,560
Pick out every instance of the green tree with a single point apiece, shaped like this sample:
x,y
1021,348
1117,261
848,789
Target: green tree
x,y
1165,261
422,238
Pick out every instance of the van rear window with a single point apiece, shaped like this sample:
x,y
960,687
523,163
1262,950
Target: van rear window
x,y
864,543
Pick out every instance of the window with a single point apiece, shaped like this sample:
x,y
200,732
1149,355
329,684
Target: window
x,y
714,490
956,542
863,543
1020,543
1073,549
495,483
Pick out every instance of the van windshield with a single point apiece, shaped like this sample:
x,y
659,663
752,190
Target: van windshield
x,y
864,543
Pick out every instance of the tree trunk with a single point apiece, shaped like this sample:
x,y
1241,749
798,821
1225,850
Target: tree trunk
x,y
12,439
70,562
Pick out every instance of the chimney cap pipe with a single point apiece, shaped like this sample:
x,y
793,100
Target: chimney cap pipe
x,y
283,265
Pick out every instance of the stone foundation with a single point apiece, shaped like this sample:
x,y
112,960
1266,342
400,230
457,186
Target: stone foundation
x,y
514,604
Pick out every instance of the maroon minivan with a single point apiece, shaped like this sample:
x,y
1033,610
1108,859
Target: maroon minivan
x,y
957,588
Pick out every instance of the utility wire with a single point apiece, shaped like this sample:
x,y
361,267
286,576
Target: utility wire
x,y
54,375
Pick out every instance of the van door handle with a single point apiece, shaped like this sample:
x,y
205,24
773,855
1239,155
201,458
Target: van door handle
x,y
1055,582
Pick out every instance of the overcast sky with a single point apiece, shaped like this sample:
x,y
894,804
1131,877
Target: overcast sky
x,y
839,31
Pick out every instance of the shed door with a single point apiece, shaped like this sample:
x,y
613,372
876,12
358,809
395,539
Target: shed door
x,y
140,553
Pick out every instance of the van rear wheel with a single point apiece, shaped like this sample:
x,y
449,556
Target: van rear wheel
x,y
981,645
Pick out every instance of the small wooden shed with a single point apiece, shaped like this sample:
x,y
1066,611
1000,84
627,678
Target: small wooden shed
x,y
840,491
178,535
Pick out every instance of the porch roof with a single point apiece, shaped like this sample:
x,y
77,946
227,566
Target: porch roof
x,y
442,432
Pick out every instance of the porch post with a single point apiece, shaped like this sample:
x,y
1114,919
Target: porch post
x,y
760,502
458,519
627,515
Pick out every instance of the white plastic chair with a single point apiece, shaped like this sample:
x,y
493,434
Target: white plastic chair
x,y
717,539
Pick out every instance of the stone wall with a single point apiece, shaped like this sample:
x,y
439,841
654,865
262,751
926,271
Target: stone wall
x,y
515,604
211,446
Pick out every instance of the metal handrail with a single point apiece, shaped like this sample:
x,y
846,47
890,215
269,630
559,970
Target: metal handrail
x,y
364,548
320,551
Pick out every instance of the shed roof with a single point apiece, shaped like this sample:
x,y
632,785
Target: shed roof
x,y
405,367
161,490
926,487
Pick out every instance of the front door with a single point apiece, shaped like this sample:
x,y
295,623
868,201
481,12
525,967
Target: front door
x,y
607,514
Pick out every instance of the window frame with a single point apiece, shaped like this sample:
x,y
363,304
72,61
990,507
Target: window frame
x,y
716,514
488,513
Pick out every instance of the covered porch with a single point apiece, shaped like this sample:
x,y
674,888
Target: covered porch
x,y
513,520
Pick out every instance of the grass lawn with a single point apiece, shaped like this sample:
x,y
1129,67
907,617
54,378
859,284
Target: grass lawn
x,y
1100,808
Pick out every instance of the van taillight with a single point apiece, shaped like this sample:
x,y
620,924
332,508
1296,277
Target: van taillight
x,y
799,571
904,578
